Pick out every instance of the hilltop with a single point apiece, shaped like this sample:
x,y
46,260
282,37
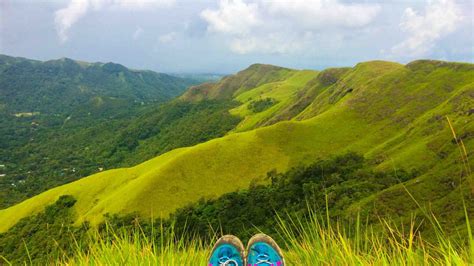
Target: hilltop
x,y
393,114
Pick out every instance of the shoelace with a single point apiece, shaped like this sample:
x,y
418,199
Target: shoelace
x,y
226,261
263,258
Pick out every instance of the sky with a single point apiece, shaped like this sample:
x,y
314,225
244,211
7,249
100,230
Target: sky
x,y
225,36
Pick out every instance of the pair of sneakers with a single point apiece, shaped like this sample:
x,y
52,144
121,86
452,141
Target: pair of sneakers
x,y
262,250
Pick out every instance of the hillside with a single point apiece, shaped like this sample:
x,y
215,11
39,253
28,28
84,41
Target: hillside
x,y
63,119
393,114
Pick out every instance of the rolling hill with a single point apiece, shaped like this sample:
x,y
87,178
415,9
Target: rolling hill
x,y
393,114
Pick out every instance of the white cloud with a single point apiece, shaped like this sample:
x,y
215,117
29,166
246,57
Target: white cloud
x,y
440,18
232,17
323,13
166,38
66,17
283,26
273,43
138,32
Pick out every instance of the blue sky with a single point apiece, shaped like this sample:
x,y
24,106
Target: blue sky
x,y
224,36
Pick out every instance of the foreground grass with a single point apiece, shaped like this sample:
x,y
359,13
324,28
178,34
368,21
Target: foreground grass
x,y
138,250
318,245
306,242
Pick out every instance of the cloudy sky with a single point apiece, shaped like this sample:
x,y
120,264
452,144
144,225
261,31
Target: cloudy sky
x,y
223,36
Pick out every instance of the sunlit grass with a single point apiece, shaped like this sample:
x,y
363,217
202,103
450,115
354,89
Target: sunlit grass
x,y
311,241
136,248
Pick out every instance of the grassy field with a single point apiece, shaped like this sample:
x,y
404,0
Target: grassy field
x,y
306,242
393,114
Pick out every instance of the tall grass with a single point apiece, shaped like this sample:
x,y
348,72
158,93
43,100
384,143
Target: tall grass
x,y
137,248
309,241
464,159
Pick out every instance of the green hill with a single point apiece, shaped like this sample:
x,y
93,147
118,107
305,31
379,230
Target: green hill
x,y
393,114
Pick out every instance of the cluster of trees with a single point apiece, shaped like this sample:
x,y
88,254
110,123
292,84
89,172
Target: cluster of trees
x,y
44,236
261,105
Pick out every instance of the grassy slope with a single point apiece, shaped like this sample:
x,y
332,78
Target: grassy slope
x,y
284,92
390,112
254,76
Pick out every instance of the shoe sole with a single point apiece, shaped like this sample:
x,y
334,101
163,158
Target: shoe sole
x,y
232,240
266,239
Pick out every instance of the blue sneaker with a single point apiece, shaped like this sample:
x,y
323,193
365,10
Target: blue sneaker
x,y
262,250
228,251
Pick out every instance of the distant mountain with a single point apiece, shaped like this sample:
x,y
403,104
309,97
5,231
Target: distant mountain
x,y
393,114
60,86
204,77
